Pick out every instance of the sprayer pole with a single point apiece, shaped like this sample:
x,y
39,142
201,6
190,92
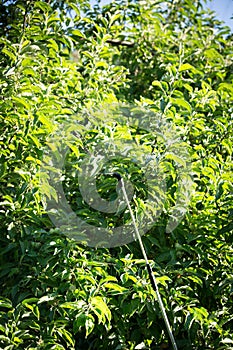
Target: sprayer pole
x,y
149,268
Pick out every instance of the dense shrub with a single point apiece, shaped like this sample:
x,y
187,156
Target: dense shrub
x,y
58,60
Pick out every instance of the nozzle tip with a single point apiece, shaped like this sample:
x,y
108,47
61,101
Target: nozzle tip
x,y
117,176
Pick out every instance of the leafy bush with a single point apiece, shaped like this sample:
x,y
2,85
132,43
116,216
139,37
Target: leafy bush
x,y
58,60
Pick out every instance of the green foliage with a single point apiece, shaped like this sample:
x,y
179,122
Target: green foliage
x,y
63,58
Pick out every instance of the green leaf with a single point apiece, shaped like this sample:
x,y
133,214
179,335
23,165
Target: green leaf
x,y
114,18
45,121
188,87
76,305
181,103
52,43
163,280
101,64
43,6
100,308
88,54
226,228
30,301
108,279
74,148
158,84
9,53
5,303
79,322
75,8
78,33
36,312
48,191
21,101
66,335
115,287
89,324
176,158
186,66
226,87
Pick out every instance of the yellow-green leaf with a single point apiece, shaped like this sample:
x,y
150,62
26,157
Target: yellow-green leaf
x,y
181,103
77,32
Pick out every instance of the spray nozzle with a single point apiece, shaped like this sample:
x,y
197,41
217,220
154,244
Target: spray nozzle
x,y
116,175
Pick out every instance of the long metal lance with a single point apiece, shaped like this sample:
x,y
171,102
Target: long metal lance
x,y
149,268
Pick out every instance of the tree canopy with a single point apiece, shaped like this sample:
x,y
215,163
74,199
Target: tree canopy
x,y
62,63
